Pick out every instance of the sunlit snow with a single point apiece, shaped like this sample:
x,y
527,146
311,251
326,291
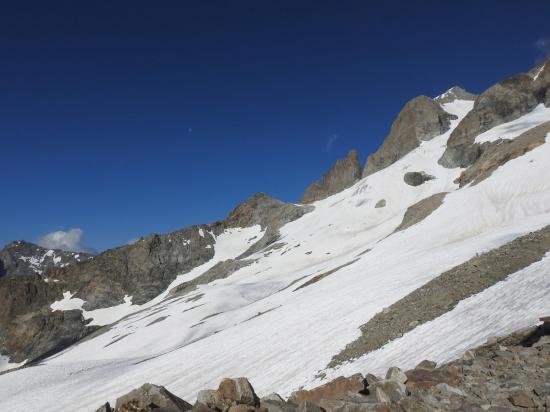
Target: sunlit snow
x,y
257,323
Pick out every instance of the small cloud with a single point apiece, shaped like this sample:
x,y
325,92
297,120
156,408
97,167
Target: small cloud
x,y
70,240
542,46
330,141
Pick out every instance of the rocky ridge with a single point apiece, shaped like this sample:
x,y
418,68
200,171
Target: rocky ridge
x,y
505,101
25,258
509,373
29,329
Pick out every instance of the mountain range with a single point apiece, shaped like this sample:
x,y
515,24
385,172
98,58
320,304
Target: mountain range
x,y
437,242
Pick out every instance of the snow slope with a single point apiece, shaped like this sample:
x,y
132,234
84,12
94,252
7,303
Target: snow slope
x,y
257,323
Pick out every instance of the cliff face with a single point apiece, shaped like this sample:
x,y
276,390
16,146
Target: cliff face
x,y
342,175
421,119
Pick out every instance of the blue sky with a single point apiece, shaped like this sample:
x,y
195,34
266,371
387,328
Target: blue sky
x,y
124,118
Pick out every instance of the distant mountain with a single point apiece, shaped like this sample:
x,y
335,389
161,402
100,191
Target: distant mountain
x,y
25,258
441,240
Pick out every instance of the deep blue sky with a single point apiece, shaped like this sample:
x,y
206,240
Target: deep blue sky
x,y
124,118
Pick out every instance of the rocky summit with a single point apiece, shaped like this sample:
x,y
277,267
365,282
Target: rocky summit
x,y
381,290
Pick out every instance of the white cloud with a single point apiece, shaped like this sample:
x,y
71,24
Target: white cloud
x,y
70,240
331,140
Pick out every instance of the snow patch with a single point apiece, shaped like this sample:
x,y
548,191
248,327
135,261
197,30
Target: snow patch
x,y
6,365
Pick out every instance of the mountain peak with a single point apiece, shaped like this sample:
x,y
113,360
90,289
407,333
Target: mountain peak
x,y
455,93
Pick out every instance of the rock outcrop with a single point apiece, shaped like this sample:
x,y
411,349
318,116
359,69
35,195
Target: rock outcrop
x,y
148,398
25,258
495,154
506,374
421,119
505,101
234,395
416,178
421,210
342,175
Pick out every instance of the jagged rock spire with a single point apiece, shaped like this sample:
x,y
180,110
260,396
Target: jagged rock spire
x,y
342,175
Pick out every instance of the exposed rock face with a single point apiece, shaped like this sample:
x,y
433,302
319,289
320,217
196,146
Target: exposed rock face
x,y
25,258
455,93
505,374
421,119
150,398
503,102
342,175
421,210
271,214
416,178
30,329
497,153
235,395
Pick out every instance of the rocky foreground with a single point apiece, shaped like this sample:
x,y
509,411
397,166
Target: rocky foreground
x,y
506,374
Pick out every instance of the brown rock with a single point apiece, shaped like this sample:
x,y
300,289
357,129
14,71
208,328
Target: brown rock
x,y
350,406
342,175
428,378
246,408
338,389
235,392
426,364
521,399
149,397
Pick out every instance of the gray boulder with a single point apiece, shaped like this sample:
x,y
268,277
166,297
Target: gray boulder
x,y
389,391
380,203
417,178
150,397
342,175
421,119
236,391
396,374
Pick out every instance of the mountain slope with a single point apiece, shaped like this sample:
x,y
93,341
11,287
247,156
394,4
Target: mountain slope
x,y
279,308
